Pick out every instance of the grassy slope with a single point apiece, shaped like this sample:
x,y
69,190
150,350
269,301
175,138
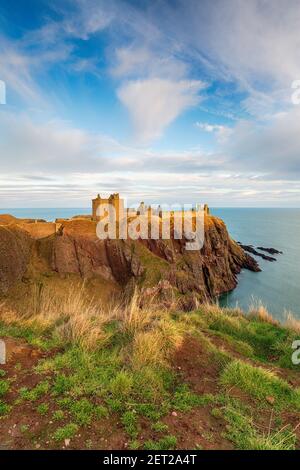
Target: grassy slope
x,y
152,379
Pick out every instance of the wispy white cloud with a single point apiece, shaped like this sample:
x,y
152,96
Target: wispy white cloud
x,y
154,103
25,61
271,147
209,127
252,44
54,164
222,132
16,71
143,62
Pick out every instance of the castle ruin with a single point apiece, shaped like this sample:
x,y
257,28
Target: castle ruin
x,y
120,211
114,200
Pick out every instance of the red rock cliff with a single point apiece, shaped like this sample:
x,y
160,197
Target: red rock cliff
x,y
151,264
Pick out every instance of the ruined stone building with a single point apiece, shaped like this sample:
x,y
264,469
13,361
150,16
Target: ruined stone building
x,y
118,204
114,200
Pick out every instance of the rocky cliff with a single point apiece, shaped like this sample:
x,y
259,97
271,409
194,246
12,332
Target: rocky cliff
x,y
156,266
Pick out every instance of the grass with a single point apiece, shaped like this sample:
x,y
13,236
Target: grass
x,y
243,432
66,432
184,400
116,365
130,423
35,393
4,387
260,384
43,409
292,323
58,415
254,335
165,443
259,312
159,427
121,385
4,408
82,411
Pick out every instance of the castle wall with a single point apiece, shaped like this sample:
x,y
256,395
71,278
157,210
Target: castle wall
x,y
40,229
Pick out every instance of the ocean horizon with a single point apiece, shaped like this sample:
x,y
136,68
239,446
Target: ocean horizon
x,y
276,287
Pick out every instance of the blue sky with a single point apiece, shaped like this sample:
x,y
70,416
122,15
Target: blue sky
x,y
167,101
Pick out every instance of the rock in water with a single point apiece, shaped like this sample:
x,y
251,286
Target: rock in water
x,y
271,251
250,249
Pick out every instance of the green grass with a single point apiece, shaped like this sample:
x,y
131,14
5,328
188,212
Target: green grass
x,y
130,423
243,432
4,408
147,392
260,384
36,336
184,400
241,347
43,409
121,385
62,384
100,412
4,387
35,393
90,385
166,443
255,338
159,427
58,415
82,411
134,445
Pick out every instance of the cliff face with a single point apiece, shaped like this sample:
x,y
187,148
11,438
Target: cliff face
x,y
15,250
155,265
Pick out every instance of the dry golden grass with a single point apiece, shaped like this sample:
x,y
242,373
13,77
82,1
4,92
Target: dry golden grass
x,y
146,349
133,317
154,345
74,318
258,311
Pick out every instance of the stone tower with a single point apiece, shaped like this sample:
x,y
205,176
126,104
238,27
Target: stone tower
x,y
114,199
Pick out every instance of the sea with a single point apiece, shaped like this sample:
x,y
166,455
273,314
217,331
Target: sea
x,y
277,287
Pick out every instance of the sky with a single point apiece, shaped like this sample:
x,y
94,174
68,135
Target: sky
x,y
179,101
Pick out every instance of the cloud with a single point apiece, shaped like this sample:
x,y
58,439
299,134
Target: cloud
x,y
25,60
246,52
56,148
16,71
155,103
88,17
209,127
222,132
144,62
252,44
73,19
271,147
53,164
